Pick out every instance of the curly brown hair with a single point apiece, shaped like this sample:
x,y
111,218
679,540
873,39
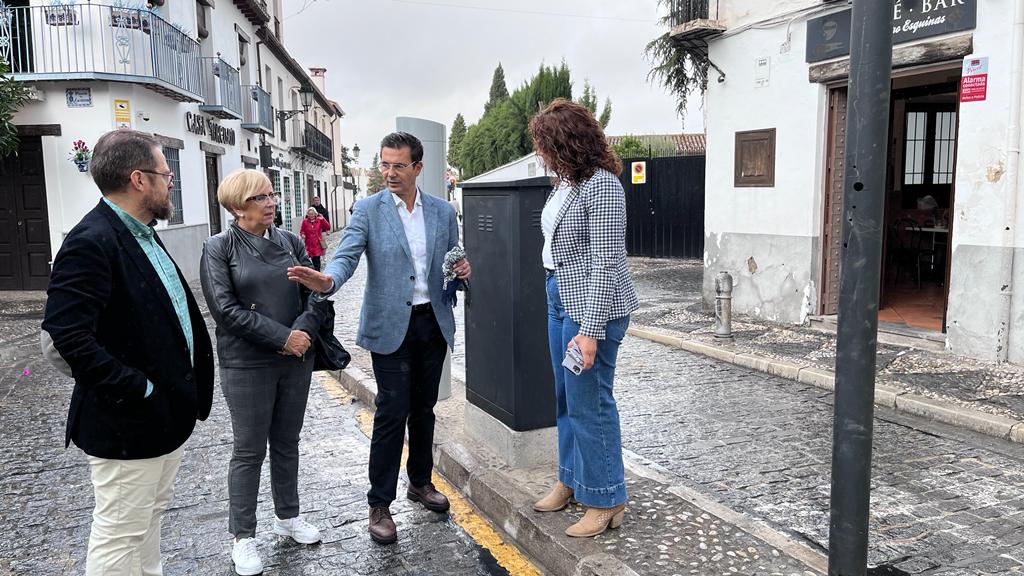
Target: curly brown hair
x,y
572,142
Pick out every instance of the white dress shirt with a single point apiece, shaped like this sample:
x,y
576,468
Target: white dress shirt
x,y
547,222
416,234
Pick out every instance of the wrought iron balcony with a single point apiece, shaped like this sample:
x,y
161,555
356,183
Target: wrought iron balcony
x,y
694,22
221,88
97,42
257,110
255,10
306,137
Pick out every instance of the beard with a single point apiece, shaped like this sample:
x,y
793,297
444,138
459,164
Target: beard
x,y
161,209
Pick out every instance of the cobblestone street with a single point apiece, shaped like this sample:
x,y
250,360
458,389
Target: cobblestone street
x,y
46,498
944,501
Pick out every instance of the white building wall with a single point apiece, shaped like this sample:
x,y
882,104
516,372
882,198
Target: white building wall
x,y
769,238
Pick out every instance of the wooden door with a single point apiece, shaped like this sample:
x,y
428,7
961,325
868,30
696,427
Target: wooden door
x,y
24,221
835,173
212,181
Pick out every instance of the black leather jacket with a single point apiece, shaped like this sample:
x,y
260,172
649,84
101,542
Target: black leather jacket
x,y
255,305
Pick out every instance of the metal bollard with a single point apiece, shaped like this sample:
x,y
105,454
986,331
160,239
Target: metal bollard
x,y
723,306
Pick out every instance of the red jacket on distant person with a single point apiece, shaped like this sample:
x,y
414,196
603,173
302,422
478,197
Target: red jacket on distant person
x,y
310,232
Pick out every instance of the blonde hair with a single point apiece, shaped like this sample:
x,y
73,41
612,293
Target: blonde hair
x,y
313,209
239,185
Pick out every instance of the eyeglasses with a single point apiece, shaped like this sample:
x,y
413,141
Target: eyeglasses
x,y
167,175
263,198
385,166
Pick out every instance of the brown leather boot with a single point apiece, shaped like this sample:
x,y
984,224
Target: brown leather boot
x,y
382,527
556,500
596,521
428,496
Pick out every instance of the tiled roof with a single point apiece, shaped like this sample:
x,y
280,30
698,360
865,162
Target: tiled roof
x,y
686,144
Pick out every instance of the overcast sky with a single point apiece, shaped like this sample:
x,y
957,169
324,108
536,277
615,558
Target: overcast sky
x,y
435,58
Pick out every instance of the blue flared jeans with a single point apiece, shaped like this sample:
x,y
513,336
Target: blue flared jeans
x,y
589,440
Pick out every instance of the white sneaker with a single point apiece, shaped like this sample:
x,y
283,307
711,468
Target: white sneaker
x,y
246,557
297,529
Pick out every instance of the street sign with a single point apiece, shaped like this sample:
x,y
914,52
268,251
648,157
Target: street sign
x,y
122,114
974,80
639,172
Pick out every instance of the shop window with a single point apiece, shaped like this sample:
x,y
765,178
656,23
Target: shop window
x,y
174,164
298,194
755,159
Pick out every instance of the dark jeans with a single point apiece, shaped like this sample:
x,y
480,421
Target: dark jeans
x,y
316,262
407,381
266,405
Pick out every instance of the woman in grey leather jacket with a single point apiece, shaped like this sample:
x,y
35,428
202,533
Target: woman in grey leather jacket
x,y
265,330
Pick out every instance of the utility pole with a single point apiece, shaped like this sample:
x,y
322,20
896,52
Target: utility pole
x,y
863,227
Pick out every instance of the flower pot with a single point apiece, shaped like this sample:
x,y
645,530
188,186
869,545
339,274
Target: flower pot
x,y
83,165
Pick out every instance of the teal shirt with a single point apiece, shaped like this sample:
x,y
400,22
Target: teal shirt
x,y
165,269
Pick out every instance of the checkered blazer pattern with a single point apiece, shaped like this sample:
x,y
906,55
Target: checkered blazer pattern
x,y
589,249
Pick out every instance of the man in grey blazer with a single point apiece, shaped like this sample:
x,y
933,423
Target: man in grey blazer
x,y
404,322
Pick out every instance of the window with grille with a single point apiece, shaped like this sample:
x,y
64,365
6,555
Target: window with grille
x,y
286,208
298,193
174,164
929,147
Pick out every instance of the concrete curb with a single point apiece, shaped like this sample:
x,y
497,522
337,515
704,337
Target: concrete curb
x,y
894,397
507,505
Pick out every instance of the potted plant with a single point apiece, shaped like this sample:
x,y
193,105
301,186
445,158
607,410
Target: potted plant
x,y
80,155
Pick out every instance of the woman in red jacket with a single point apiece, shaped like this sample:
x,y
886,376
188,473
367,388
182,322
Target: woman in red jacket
x,y
312,229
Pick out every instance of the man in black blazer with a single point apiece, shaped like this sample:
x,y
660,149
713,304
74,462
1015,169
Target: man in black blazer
x,y
122,316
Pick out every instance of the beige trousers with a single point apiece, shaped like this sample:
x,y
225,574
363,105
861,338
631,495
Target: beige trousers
x,y
131,496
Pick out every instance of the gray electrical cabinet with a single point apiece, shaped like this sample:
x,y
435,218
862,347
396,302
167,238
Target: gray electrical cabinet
x,y
508,365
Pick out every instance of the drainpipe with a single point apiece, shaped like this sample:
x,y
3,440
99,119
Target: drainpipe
x,y
259,82
1015,181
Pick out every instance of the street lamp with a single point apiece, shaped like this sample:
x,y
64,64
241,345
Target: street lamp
x,y
306,95
355,152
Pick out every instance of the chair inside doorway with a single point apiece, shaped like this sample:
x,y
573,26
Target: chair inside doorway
x,y
919,198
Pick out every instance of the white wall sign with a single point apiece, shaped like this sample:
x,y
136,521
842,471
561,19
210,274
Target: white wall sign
x,y
762,71
79,97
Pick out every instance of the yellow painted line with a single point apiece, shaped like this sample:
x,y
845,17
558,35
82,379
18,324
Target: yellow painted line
x,y
462,512
508,556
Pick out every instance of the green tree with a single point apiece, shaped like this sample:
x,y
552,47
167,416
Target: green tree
x,y
589,101
502,134
680,70
13,95
499,91
375,181
606,114
630,147
455,139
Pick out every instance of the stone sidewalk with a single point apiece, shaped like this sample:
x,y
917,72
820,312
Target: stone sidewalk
x,y
980,396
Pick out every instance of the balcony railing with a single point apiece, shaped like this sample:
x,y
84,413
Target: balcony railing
x,y
257,110
96,42
305,136
695,21
221,89
255,10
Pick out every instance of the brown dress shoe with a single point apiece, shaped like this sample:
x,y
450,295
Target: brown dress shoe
x,y
382,527
556,500
428,496
596,521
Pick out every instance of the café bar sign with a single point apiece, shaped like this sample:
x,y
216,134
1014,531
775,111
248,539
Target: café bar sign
x,y
829,36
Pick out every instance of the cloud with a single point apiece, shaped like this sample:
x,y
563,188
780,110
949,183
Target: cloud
x,y
434,58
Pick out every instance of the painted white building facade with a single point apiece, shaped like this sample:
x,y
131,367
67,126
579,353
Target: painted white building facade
x,y
777,233
185,71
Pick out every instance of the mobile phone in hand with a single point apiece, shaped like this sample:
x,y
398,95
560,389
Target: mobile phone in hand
x,y
573,359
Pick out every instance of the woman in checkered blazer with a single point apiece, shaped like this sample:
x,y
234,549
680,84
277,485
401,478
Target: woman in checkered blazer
x,y
590,296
